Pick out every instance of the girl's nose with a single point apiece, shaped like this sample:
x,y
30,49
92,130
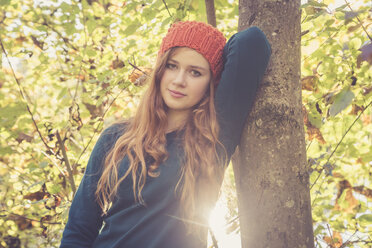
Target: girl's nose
x,y
180,78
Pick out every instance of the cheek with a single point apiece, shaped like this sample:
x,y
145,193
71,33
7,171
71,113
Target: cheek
x,y
162,84
164,79
200,90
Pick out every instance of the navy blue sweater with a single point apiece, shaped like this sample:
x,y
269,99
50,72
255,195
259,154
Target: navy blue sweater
x,y
157,225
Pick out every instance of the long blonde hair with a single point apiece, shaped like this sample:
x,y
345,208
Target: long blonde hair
x,y
145,137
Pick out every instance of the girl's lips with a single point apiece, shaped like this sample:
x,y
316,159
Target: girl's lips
x,y
176,94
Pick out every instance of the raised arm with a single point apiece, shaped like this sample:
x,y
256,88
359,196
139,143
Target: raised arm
x,y
246,56
85,221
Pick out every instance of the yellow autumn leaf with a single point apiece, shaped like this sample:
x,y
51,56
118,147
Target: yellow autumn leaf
x,y
328,1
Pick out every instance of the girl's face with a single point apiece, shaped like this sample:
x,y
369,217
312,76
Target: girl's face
x,y
185,80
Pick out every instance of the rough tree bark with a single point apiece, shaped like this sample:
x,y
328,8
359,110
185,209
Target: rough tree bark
x,y
271,175
211,13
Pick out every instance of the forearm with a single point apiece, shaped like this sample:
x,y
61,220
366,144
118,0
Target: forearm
x,y
246,56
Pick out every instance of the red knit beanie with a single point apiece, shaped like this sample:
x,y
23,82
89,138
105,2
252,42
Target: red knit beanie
x,y
199,36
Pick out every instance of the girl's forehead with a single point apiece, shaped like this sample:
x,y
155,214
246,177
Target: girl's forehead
x,y
190,56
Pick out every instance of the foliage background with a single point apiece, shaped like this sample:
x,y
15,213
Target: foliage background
x,y
76,66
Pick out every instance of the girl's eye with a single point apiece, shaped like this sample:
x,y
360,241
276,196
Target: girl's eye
x,y
195,73
170,66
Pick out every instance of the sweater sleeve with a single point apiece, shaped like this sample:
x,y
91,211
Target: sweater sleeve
x,y
246,56
85,221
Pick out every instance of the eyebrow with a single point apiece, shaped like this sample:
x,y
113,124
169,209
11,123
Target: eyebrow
x,y
192,66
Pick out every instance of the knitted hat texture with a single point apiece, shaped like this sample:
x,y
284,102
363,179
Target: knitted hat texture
x,y
199,36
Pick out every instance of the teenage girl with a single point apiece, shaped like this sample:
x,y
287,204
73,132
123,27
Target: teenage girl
x,y
151,181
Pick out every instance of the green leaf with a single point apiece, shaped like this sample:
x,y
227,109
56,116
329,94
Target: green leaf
x,y
62,93
91,25
157,4
53,188
32,167
316,4
315,119
166,21
341,101
65,7
4,2
6,150
365,219
338,225
329,22
107,21
149,14
327,2
341,7
202,11
355,43
24,122
367,157
38,183
310,10
11,113
70,28
342,200
132,28
42,28
318,230
43,164
90,52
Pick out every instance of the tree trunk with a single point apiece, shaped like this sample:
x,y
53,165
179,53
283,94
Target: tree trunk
x,y
271,175
211,13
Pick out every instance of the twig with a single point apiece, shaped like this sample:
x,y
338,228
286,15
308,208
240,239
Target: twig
x,y
356,241
167,8
3,19
45,23
347,241
54,162
23,97
214,240
81,64
99,125
20,173
348,5
308,146
137,68
67,162
320,45
233,219
330,234
334,150
24,217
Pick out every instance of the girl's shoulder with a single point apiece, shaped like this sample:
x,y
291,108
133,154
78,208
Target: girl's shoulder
x,y
115,129
111,134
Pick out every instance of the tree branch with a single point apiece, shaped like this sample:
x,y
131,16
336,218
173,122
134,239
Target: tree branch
x,y
66,40
99,125
334,150
26,218
25,100
67,162
348,5
137,68
214,240
167,8
211,13
81,63
363,190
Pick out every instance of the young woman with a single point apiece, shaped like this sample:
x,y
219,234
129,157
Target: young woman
x,y
151,181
